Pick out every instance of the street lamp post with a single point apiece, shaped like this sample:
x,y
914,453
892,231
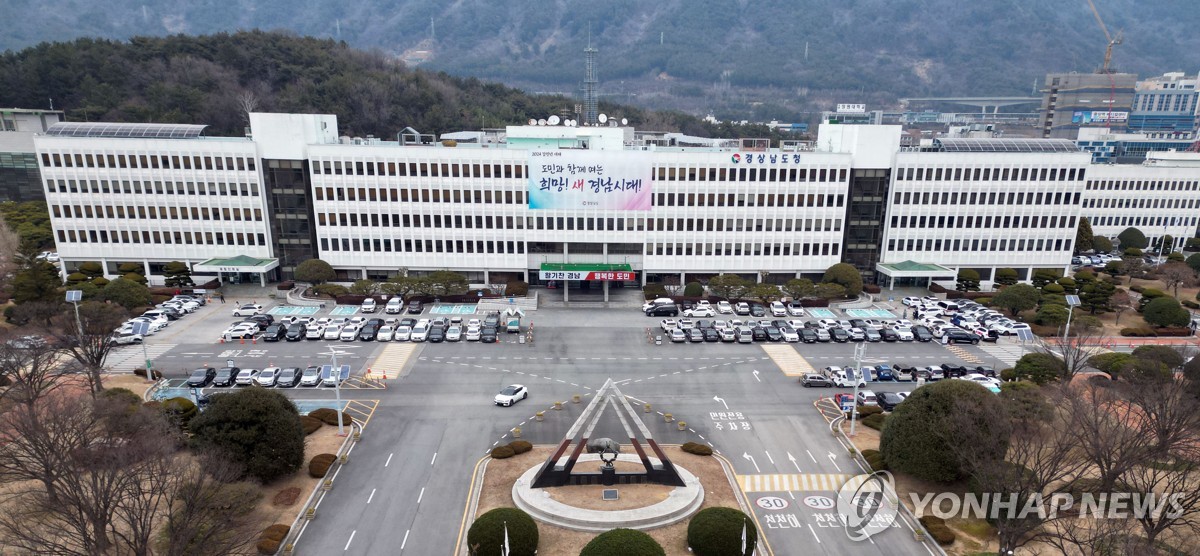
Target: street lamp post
x,y
858,378
337,388
74,297
1072,303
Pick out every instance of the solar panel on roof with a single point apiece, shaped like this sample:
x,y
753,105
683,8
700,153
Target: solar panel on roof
x,y
139,131
1007,145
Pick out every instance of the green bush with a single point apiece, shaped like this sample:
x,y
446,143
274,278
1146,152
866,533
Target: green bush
x,y
520,446
938,530
875,421
256,428
1190,304
331,290
654,291
697,448
718,532
877,462
1165,311
276,532
123,395
1008,375
869,453
487,532
180,411
985,301
918,437
516,288
319,465
310,424
1040,368
846,276
693,289
622,542
100,281
503,452
865,411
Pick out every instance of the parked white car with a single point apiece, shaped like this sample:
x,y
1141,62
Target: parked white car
x,y
420,332
126,339
402,334
724,307
385,334
247,310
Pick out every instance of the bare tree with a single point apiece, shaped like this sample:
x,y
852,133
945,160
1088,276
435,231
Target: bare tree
x,y
248,102
1074,350
1132,265
1095,537
1174,275
88,340
1098,417
672,285
211,510
1041,454
1120,302
30,367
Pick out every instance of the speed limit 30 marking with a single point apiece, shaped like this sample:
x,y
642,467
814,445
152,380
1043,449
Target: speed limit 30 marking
x,y
772,503
818,502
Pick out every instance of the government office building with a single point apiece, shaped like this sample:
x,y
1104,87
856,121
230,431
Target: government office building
x,y
589,204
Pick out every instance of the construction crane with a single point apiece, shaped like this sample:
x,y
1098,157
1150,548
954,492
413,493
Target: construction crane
x,y
1112,41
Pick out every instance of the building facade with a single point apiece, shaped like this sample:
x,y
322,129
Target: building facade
x,y
1071,101
1167,103
496,207
19,177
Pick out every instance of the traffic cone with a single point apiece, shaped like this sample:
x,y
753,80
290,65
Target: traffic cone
x,y
243,340
222,340
253,340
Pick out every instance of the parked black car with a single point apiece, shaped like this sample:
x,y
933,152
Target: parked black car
x,y
487,335
953,371
274,333
225,376
984,370
663,311
711,335
757,310
368,332
201,377
807,335
774,335
839,335
288,377
960,337
888,400
759,334
415,308
889,335
922,334
437,334
295,333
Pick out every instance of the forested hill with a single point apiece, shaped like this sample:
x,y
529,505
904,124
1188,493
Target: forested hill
x,y
690,53
214,79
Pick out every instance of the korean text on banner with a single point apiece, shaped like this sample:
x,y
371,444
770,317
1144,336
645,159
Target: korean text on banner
x,y
589,180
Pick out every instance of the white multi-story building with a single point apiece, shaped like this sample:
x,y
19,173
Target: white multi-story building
x,y
543,203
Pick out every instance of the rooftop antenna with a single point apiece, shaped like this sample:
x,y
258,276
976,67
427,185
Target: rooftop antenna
x,y
805,51
432,31
589,83
338,24
661,35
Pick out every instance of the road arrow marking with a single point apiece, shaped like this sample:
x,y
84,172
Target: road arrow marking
x,y
751,458
793,460
833,459
756,376
715,398
769,458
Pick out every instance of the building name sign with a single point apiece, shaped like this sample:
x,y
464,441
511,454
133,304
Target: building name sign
x,y
606,275
765,159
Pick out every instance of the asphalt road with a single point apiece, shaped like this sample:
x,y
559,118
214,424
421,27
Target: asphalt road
x,y
405,488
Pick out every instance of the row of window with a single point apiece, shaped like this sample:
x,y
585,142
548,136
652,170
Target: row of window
x,y
422,246
1152,221
743,249
417,169
988,198
160,237
153,212
989,174
154,161
1141,203
746,200
979,245
983,222
419,195
1142,185
157,187
773,175
461,222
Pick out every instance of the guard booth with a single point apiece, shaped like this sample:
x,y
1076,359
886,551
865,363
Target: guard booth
x,y
605,273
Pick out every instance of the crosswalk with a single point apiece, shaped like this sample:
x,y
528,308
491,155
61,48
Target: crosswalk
x,y
391,362
788,359
797,482
128,358
1006,353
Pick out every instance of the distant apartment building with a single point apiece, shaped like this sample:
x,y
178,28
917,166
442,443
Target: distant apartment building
x,y
1167,103
1131,148
19,177
1071,101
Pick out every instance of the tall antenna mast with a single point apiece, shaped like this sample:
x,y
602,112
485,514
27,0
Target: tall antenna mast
x,y
589,84
432,31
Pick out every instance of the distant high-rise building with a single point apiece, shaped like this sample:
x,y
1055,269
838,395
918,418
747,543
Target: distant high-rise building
x,y
1074,100
1166,103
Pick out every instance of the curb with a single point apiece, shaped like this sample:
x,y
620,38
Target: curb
x,y
472,505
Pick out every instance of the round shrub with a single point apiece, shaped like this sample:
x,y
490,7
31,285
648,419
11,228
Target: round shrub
x,y
330,416
267,546
874,421
486,535
319,465
180,411
310,424
938,529
623,542
257,428
697,448
718,532
918,439
503,452
693,289
121,395
276,532
520,446
100,281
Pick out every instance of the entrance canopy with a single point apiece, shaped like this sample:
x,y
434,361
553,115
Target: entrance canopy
x,y
914,272
237,265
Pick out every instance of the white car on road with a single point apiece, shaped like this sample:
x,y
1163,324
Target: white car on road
x,y
511,394
247,310
700,311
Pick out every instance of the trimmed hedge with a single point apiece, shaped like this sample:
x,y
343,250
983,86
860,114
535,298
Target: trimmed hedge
x,y
865,411
142,373
623,542
520,446
486,535
1138,332
503,452
319,465
872,288
718,532
310,424
267,546
284,286
874,421
938,530
697,449
330,417
276,532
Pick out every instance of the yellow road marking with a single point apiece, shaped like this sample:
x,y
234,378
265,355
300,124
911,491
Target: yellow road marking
x,y
789,361
796,482
964,354
391,362
462,526
365,408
